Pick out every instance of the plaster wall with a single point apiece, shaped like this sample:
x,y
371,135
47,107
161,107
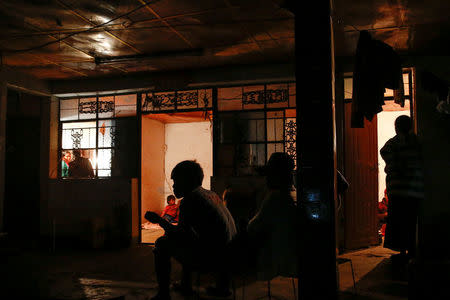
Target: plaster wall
x,y
188,141
80,209
152,183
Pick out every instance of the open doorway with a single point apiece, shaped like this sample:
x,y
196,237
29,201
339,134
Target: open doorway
x,y
386,130
167,139
364,168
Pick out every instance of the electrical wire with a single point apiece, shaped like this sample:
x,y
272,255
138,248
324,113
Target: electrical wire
x,y
84,31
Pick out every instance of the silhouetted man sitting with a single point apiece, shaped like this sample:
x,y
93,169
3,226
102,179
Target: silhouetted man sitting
x,y
80,167
204,230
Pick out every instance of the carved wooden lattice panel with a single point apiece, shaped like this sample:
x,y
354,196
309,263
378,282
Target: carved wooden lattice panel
x,y
290,138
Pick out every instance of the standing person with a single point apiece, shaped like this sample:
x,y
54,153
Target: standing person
x,y
274,228
80,167
170,212
404,184
65,162
204,230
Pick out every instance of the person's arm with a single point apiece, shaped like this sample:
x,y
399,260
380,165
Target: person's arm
x,y
387,152
91,170
259,222
164,211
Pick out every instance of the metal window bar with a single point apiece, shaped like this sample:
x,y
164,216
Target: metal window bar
x,y
96,139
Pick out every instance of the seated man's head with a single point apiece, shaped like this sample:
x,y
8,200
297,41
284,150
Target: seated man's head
x,y
76,153
403,125
187,175
171,199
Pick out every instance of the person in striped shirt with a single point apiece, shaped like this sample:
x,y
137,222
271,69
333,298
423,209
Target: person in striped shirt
x,y
404,184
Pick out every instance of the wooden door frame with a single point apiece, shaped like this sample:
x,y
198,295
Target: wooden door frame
x,y
342,150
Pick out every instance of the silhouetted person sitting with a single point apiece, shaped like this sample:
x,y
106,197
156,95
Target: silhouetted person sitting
x,y
404,185
204,230
80,167
274,228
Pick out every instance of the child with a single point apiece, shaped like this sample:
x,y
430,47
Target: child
x,y
382,213
170,213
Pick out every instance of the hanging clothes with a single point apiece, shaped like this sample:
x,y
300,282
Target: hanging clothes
x,y
377,66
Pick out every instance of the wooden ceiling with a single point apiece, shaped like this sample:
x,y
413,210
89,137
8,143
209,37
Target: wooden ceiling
x,y
67,39
53,39
411,27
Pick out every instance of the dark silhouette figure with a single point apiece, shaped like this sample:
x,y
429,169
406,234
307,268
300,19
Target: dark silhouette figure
x,y
404,184
204,230
274,228
80,167
170,212
241,204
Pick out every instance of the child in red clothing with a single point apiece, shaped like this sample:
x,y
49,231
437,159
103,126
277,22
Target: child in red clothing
x,y
382,213
170,213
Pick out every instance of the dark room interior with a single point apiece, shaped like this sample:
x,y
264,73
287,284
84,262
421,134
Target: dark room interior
x,y
133,87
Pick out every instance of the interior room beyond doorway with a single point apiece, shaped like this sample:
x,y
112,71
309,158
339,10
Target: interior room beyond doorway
x,y
167,139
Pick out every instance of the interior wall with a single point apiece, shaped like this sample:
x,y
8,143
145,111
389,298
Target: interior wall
x,y
386,130
23,164
187,141
88,210
152,181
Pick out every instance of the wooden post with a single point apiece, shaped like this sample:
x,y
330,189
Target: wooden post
x,y
3,104
317,153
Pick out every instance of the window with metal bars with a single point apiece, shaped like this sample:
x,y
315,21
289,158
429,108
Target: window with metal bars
x,y
101,128
246,139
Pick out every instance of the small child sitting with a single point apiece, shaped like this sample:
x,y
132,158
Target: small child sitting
x,y
170,213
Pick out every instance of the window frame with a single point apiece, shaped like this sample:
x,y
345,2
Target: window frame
x,y
97,120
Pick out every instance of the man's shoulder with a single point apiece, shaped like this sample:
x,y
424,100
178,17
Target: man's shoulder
x,y
203,195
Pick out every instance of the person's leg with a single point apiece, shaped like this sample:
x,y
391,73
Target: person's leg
x,y
412,227
223,273
162,266
185,252
168,218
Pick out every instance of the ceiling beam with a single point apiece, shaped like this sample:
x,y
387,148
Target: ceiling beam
x,y
151,10
221,76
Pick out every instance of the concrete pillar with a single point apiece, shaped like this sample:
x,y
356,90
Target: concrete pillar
x,y
3,105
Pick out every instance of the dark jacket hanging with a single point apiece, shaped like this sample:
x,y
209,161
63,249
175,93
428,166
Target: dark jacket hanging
x,y
377,66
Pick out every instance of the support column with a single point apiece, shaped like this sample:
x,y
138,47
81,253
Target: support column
x,y
3,105
317,151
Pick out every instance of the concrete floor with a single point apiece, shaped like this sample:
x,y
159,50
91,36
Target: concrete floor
x,y
129,274
151,235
